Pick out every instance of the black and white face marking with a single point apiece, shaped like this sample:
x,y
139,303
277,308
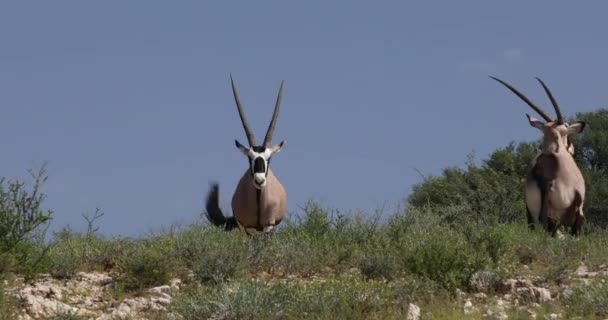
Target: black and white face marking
x,y
259,160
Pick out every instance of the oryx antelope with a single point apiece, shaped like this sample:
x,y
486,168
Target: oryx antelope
x,y
555,188
259,200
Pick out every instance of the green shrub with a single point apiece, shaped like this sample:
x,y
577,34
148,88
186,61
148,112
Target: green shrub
x,y
23,223
441,254
588,300
147,263
213,254
378,265
72,252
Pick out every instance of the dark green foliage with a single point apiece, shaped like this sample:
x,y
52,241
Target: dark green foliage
x,y
592,155
491,192
592,146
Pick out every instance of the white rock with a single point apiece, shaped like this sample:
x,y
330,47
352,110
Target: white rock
x,y
160,290
413,312
542,294
460,295
480,296
468,307
123,312
175,284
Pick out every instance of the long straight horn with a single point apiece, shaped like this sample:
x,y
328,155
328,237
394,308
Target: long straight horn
x,y
248,131
275,115
536,108
560,117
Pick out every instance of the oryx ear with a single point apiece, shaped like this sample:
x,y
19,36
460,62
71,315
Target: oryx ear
x,y
277,147
576,127
241,147
535,122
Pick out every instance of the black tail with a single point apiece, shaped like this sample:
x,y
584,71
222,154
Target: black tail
x,y
214,213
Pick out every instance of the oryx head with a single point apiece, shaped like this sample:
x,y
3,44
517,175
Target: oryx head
x,y
258,155
555,131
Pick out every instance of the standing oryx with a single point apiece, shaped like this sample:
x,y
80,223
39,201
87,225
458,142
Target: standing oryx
x,y
555,188
259,201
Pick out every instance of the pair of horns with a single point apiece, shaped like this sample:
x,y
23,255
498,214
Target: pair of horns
x,y
539,110
273,121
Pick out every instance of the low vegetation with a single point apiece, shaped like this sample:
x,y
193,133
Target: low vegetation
x,y
323,263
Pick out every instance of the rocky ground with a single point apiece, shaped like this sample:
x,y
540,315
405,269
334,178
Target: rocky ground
x,y
91,296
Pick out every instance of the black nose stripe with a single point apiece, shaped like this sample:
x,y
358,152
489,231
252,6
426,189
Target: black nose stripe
x,y
259,166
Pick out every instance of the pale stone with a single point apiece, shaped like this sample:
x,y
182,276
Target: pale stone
x,y
413,312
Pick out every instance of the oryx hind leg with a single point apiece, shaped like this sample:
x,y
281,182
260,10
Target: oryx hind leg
x,y
533,198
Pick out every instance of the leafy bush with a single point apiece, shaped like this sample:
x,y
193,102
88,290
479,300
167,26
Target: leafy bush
x,y
441,254
492,192
592,157
23,223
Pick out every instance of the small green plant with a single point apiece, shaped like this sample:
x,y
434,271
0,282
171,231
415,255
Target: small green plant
x,y
119,290
588,300
378,266
147,263
8,306
73,251
213,254
344,298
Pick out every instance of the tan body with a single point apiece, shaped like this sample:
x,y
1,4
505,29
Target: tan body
x,y
565,188
251,215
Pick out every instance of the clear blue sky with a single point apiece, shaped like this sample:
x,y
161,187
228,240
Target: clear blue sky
x,y
130,102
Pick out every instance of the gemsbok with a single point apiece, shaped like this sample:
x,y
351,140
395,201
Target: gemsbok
x,y
555,187
259,200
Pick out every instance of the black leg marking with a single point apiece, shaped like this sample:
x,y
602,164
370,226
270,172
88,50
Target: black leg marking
x,y
531,222
578,218
552,226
